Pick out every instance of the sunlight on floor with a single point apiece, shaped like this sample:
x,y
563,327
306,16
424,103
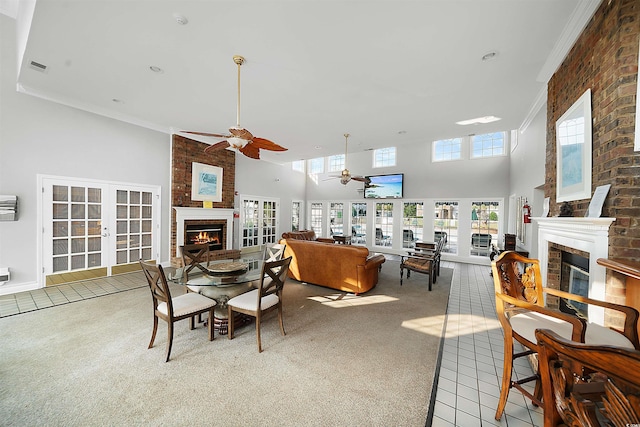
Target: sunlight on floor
x,y
468,324
426,325
351,300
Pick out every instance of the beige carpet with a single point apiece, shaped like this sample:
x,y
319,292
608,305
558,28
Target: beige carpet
x,y
346,360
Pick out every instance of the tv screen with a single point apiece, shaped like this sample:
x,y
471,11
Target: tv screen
x,y
384,186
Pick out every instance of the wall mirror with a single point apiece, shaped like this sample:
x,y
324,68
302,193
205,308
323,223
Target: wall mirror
x,y
574,149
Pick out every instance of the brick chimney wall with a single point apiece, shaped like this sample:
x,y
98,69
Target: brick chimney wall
x,y
184,152
605,59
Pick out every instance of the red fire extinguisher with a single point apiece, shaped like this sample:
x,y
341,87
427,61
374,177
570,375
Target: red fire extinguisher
x,y
526,210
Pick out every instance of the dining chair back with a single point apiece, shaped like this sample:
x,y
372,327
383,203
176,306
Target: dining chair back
x,y
588,385
266,298
274,252
521,309
173,309
195,255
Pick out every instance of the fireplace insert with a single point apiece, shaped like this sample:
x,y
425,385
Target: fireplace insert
x,y
213,234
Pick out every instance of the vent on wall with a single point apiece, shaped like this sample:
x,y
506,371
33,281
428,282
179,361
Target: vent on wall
x,y
38,66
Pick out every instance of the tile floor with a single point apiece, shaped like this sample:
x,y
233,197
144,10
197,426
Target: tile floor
x,y
470,369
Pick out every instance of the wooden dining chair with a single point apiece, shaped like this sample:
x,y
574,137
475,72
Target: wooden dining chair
x,y
266,298
587,385
173,309
274,252
520,308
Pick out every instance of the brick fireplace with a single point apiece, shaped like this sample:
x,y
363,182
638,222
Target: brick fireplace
x,y
187,217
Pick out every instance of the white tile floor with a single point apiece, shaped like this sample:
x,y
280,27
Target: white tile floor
x,y
472,356
471,366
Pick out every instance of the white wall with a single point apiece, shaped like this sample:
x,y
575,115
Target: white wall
x,y
265,179
527,180
41,137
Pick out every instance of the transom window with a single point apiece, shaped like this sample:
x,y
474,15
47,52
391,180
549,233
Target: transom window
x,y
447,149
298,165
316,165
487,145
336,163
383,157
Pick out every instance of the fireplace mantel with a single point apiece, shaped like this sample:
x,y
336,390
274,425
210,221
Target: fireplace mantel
x,y
585,234
183,214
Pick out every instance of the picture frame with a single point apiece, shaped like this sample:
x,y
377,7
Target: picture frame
x,y
206,182
574,151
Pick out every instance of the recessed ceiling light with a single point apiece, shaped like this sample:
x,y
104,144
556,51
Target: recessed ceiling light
x,y
180,19
118,101
156,69
402,132
318,147
485,119
489,56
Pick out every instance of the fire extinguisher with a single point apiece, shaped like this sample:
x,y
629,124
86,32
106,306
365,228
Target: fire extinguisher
x,y
526,211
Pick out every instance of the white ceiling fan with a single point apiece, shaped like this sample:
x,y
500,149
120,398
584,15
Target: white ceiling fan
x,y
240,138
345,176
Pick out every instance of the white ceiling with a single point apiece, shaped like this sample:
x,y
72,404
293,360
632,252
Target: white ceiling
x,y
388,72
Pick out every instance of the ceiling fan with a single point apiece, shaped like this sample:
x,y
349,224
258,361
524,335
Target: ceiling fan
x,y
240,138
345,176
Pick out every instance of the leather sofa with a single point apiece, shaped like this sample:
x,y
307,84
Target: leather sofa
x,y
343,267
305,235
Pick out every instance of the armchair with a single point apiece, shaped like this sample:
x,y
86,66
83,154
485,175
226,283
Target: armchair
x,y
520,308
588,385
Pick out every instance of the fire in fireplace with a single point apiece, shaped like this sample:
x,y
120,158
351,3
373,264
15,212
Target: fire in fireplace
x,y
205,233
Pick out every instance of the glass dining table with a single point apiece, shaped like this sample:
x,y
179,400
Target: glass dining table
x,y
224,280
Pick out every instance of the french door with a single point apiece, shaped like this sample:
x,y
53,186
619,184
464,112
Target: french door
x,y
258,221
93,228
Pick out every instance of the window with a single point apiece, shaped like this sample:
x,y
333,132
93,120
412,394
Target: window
x,y
336,216
487,145
296,208
484,226
336,163
316,218
412,223
316,165
384,224
445,225
447,149
298,165
384,157
359,223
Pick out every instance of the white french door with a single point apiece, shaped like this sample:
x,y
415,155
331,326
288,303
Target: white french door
x,y
258,221
94,228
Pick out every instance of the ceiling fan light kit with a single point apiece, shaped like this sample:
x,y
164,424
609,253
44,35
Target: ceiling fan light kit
x,y
240,138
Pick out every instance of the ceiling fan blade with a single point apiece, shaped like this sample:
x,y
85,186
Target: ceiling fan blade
x,y
215,135
361,179
265,144
216,146
250,150
241,133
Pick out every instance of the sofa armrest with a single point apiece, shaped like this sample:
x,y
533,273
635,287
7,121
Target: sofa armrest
x,y
324,240
374,261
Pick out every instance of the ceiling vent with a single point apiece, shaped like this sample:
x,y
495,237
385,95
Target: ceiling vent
x,y
38,67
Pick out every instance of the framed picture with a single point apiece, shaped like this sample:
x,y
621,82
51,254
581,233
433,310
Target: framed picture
x,y
574,149
206,182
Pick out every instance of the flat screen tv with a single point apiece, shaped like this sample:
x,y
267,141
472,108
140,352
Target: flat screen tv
x,y
384,186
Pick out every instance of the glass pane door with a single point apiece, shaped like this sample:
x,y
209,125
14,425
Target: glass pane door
x,y
269,211
76,228
359,223
134,219
250,212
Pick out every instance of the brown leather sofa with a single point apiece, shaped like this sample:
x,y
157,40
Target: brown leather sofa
x,y
305,235
343,267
